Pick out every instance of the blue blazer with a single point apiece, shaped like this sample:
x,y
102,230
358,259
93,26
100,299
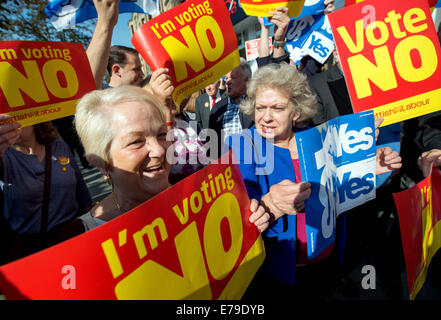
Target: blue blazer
x,y
260,171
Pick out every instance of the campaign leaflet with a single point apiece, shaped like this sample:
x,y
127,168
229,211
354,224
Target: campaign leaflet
x,y
338,158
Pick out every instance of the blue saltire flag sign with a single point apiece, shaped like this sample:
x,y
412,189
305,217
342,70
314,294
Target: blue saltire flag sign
x,y
309,33
338,158
311,36
65,14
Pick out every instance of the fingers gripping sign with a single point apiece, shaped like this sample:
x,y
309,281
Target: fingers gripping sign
x,y
429,158
286,197
387,160
259,216
9,133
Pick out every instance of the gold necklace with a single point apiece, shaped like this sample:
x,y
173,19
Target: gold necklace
x,y
115,200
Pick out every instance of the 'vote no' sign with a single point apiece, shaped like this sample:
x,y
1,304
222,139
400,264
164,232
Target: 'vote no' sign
x,y
390,56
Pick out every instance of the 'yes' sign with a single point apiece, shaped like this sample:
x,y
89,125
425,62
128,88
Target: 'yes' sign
x,y
390,56
338,159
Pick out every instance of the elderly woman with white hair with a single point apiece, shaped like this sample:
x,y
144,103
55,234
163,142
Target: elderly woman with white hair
x,y
281,104
124,131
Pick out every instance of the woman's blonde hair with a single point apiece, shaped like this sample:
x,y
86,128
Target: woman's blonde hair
x,y
287,79
190,104
94,119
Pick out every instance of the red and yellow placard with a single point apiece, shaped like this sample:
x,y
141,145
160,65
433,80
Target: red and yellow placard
x,y
260,8
390,56
193,241
41,80
195,41
432,3
419,210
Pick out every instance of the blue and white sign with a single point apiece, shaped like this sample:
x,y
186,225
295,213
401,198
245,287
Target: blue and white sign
x,y
338,158
65,14
311,36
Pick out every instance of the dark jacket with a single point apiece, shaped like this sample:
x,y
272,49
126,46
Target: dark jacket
x,y
202,105
326,106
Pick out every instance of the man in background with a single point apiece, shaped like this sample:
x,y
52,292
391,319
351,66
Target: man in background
x,y
206,102
124,67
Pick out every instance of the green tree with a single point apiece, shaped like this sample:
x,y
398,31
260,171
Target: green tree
x,y
26,20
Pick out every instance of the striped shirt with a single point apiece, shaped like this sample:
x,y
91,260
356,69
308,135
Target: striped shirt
x,y
231,123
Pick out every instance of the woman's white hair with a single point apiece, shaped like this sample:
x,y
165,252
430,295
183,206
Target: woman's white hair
x,y
94,119
287,79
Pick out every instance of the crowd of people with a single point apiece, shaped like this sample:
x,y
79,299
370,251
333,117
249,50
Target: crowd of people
x,y
125,127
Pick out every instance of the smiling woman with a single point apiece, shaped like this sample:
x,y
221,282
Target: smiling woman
x,y
123,131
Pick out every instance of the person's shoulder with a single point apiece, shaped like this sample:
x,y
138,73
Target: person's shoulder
x,y
318,77
327,75
202,97
247,136
59,146
200,101
218,107
223,100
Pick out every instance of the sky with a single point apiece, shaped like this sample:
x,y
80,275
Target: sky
x,y
121,33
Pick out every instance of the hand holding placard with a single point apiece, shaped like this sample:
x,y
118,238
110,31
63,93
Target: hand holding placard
x,y
195,41
9,133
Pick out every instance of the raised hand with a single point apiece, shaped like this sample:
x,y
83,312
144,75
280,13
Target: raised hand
x,y
281,20
162,87
428,158
329,6
9,133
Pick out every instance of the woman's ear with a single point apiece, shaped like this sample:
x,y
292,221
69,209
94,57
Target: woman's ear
x,y
296,117
99,163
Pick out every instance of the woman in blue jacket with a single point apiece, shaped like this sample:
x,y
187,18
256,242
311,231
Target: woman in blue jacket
x,y
281,103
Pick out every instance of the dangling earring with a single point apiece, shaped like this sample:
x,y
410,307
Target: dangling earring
x,y
108,179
